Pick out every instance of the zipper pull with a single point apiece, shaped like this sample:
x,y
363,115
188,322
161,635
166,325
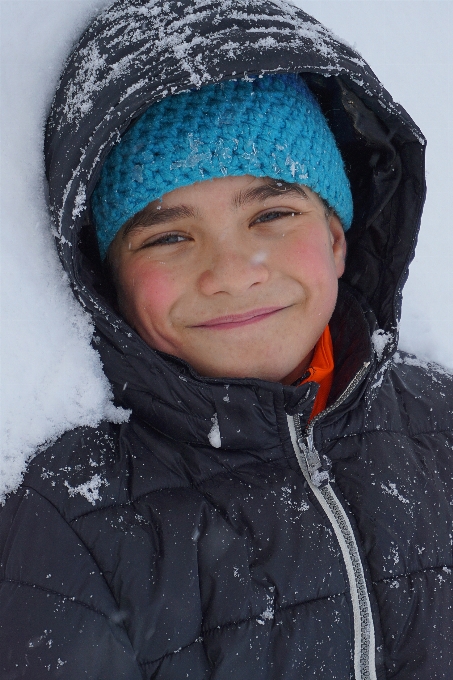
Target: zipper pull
x,y
318,476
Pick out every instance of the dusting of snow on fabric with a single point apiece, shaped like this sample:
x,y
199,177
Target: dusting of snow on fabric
x,y
79,94
269,613
431,367
380,339
214,433
379,378
391,489
89,490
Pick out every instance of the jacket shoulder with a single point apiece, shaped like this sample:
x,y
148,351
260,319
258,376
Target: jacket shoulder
x,y
55,602
424,391
83,469
406,396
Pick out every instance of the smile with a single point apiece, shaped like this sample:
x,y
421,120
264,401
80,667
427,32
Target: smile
x,y
237,320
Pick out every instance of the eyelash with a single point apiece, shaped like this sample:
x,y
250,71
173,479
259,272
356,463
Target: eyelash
x,y
165,240
275,215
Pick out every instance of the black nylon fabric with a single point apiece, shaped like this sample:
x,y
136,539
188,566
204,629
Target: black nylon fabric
x,y
145,549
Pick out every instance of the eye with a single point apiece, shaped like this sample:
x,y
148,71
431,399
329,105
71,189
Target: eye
x,y
275,215
166,240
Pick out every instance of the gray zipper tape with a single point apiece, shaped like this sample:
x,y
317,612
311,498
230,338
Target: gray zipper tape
x,y
364,638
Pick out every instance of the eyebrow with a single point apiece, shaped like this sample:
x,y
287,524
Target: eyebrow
x,y
270,189
153,214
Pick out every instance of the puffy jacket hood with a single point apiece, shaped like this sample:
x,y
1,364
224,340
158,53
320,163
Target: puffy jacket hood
x,y
137,52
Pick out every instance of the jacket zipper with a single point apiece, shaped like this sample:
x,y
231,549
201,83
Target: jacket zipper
x,y
318,480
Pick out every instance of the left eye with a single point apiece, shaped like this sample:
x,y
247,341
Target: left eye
x,y
274,215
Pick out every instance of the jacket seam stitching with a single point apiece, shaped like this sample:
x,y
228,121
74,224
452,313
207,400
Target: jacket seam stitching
x,y
175,409
409,435
283,439
239,622
207,390
68,523
4,549
195,487
198,485
399,577
279,610
56,593
168,654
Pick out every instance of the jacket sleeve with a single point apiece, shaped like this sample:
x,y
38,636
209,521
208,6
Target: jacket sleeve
x,y
58,618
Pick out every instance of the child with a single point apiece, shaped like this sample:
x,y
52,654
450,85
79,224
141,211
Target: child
x,y
279,503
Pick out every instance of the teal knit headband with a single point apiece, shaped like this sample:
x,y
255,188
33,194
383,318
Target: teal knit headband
x,y
266,127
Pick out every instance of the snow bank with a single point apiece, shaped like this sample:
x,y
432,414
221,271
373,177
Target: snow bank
x,y
51,378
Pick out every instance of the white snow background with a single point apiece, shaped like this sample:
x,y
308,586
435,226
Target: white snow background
x,y
51,379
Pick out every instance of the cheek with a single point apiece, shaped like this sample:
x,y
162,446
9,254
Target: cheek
x,y
308,261
149,294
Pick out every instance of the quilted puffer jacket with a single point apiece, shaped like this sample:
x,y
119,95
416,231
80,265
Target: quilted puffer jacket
x,y
218,533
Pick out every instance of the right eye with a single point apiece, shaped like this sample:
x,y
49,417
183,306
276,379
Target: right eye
x,y
165,240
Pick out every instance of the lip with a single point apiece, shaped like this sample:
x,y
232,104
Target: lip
x,y
237,320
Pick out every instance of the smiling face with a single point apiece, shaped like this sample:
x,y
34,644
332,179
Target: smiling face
x,y
238,276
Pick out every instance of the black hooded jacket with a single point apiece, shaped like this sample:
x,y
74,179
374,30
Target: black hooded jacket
x,y
216,534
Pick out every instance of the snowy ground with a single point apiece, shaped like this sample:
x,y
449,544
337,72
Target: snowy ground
x,y
51,379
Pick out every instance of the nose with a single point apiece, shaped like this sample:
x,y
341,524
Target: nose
x,y
233,268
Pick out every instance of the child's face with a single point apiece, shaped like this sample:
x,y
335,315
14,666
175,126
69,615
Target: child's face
x,y
233,275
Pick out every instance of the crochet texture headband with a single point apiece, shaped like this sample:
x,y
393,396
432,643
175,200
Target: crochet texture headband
x,y
268,126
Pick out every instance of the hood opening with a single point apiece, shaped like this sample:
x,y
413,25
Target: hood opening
x,y
372,154
382,148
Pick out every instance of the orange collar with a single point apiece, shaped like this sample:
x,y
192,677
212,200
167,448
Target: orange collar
x,y
321,371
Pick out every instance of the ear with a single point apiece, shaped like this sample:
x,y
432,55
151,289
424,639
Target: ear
x,y
338,241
